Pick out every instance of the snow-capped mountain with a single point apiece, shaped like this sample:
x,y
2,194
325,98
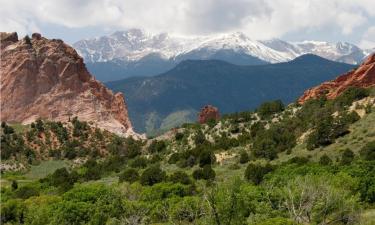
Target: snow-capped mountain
x,y
135,52
134,44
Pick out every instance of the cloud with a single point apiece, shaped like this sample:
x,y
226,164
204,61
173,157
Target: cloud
x,y
260,19
368,38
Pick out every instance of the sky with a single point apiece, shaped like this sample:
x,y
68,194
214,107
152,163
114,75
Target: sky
x,y
292,20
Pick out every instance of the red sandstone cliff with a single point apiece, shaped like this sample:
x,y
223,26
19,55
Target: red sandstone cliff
x,y
363,76
42,78
208,113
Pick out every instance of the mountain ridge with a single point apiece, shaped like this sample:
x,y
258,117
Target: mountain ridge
x,y
194,83
128,51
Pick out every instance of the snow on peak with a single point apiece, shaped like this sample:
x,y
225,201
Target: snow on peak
x,y
134,44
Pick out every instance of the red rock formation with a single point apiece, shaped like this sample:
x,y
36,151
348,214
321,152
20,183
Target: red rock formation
x,y
208,113
363,76
47,79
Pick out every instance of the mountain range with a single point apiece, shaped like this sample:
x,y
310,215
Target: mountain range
x,y
135,52
174,97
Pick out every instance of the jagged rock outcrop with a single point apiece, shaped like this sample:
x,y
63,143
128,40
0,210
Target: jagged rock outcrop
x,y
363,76
208,113
42,78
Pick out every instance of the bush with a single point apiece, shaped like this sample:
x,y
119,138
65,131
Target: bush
x,y
268,108
12,212
199,138
325,160
256,172
129,175
14,185
206,157
327,130
7,129
62,179
347,157
174,158
179,136
206,173
350,95
152,175
298,160
179,177
244,157
368,151
157,146
39,125
93,170
276,221
139,162
27,191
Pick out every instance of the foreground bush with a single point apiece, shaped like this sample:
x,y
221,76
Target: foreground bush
x,y
129,175
256,172
152,175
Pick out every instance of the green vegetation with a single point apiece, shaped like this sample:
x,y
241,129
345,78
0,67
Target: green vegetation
x,y
309,164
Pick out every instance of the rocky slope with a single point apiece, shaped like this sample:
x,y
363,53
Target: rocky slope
x,y
363,76
42,78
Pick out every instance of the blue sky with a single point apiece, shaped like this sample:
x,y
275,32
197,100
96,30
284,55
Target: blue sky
x,y
295,20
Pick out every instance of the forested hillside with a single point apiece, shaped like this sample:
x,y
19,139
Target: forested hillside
x,y
309,164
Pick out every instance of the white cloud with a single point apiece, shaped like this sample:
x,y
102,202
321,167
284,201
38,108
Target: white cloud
x,y
368,39
258,18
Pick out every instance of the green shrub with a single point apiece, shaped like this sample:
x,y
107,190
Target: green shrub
x,y
350,95
206,173
368,151
277,221
157,146
14,185
27,191
268,108
61,179
188,209
299,160
244,157
93,170
256,172
347,157
179,136
179,177
7,129
152,175
325,160
129,175
199,138
12,212
174,158
206,157
139,162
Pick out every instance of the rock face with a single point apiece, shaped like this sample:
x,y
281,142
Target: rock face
x,y
363,76
42,78
208,113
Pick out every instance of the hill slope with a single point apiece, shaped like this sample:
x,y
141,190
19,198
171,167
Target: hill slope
x,y
194,83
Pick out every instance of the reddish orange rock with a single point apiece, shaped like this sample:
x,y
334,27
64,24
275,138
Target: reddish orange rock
x,y
363,76
208,113
48,79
